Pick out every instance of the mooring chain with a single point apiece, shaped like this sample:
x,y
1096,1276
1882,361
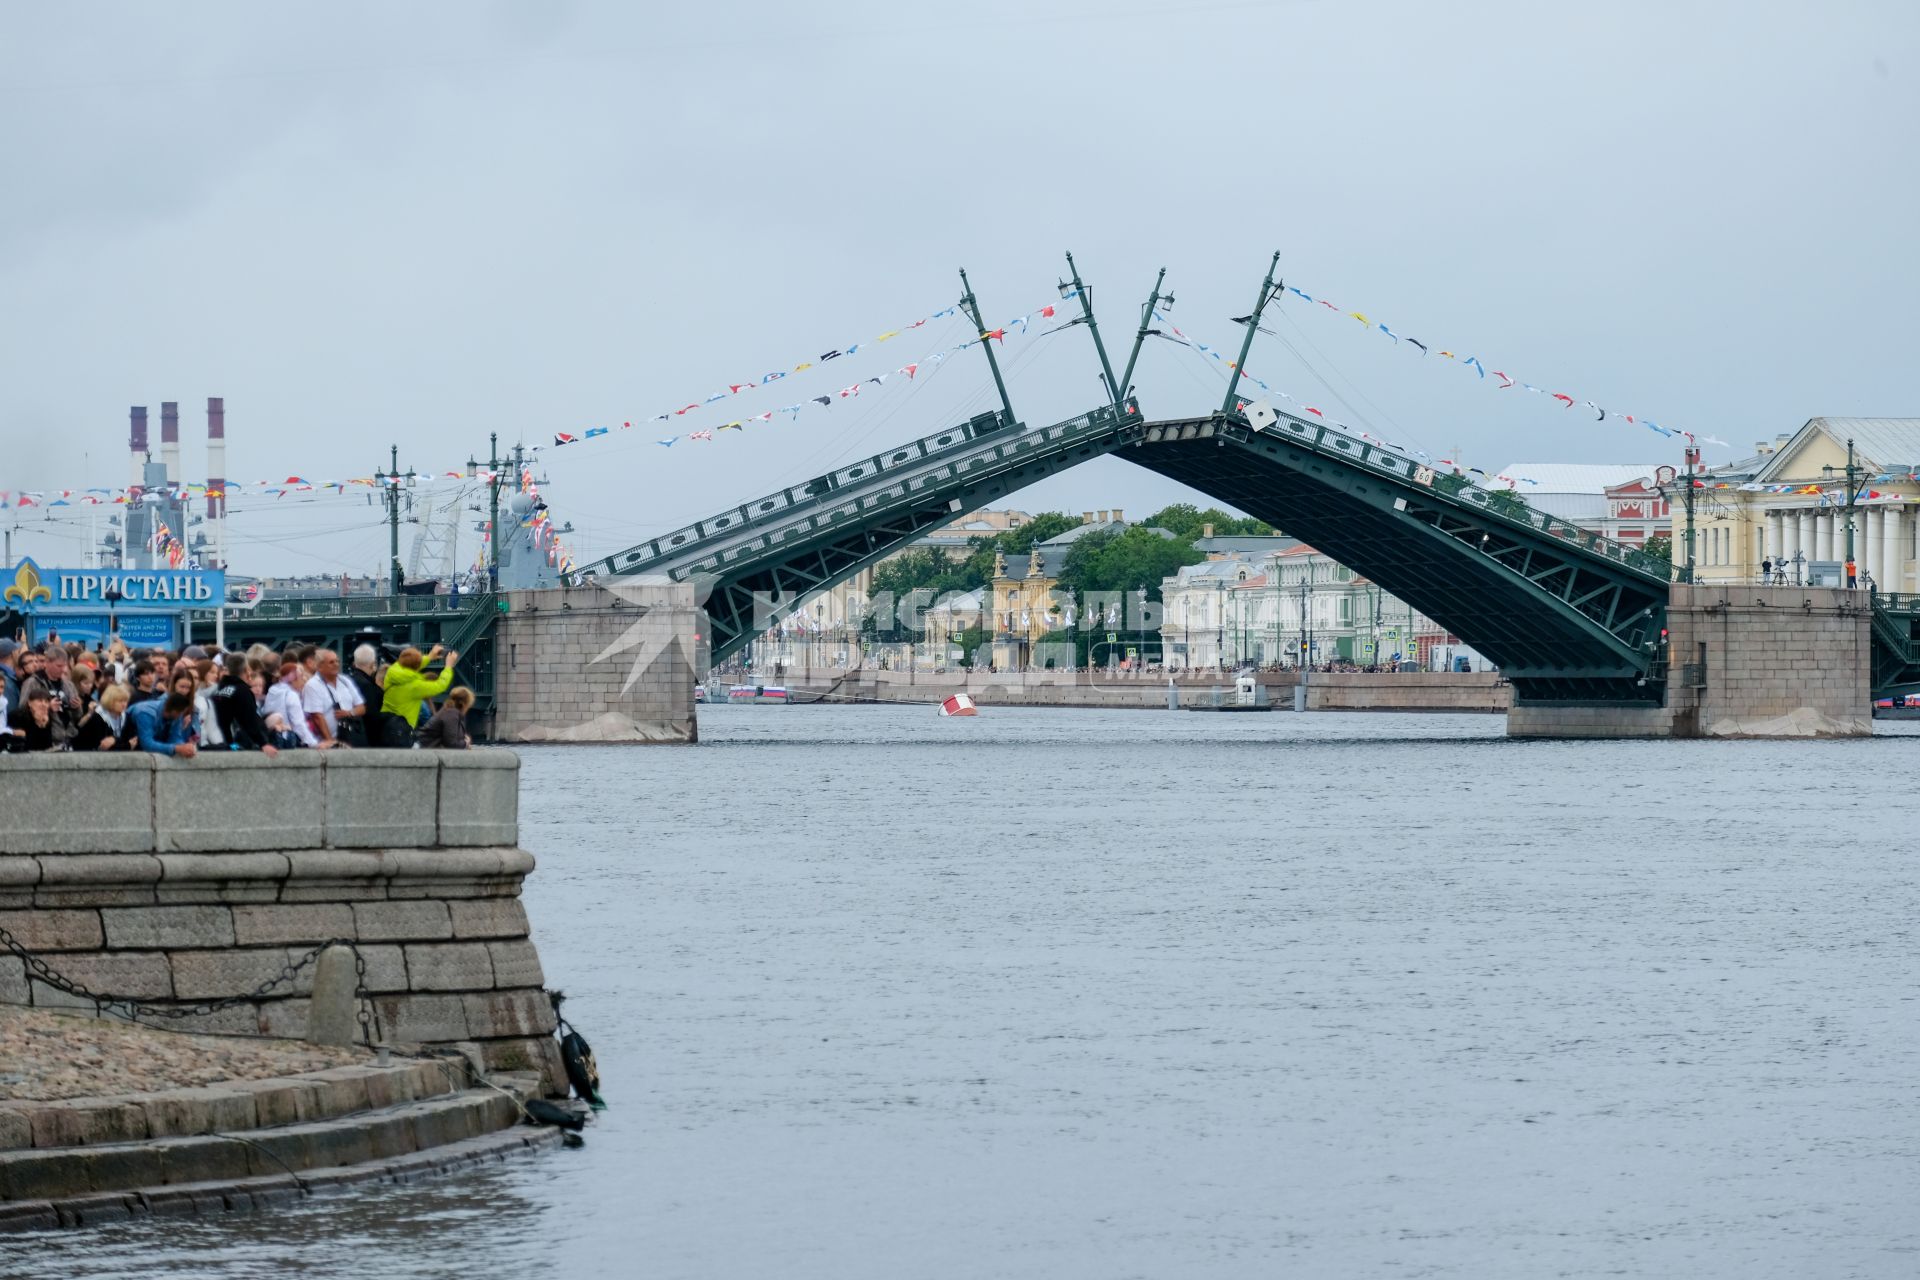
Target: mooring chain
x,y
136,1006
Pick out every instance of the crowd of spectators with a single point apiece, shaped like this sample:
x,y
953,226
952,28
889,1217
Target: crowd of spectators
x,y
65,697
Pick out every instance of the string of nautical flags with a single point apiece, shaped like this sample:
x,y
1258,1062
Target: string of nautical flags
x,y
1017,326
1213,353
297,484
1505,381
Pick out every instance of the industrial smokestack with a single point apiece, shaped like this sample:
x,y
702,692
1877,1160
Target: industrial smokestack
x,y
217,459
170,440
138,442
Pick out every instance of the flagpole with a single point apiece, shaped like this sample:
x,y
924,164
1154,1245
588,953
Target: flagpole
x,y
1253,327
220,550
1115,393
971,306
1146,320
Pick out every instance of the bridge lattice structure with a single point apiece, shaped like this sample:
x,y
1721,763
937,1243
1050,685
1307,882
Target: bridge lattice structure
x,y
1566,614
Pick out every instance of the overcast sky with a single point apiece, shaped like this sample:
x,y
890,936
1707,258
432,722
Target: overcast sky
x,y
375,223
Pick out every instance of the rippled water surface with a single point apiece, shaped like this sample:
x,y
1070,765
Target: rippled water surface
x,y
1137,994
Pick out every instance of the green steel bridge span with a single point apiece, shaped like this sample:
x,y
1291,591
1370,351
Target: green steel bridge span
x,y
1568,615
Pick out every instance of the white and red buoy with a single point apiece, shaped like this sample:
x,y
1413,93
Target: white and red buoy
x,y
959,704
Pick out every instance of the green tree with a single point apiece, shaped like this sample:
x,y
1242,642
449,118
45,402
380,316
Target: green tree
x,y
1184,520
922,568
1660,546
1012,543
1132,560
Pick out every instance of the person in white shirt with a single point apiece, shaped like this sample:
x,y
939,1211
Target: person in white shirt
x,y
209,672
283,700
330,697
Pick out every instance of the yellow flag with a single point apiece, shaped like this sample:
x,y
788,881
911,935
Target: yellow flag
x,y
808,365
1357,316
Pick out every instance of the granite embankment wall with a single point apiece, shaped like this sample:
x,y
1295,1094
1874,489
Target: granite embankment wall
x,y
184,881
1744,662
1345,691
1482,692
613,663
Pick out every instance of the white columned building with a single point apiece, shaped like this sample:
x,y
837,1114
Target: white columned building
x,y
1788,504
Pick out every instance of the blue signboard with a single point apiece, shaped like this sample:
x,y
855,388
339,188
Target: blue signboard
x,y
96,630
32,589
143,606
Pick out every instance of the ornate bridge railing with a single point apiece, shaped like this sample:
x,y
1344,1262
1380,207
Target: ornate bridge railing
x,y
756,563
861,491
1569,615
1896,644
1337,443
324,607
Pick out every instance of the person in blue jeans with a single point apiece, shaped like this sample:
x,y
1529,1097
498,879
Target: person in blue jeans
x,y
167,726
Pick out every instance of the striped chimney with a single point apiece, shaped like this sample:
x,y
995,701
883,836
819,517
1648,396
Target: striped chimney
x,y
170,440
216,458
138,442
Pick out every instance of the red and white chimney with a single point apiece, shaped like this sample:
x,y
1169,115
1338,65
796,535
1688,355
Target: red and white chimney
x,y
216,458
137,443
170,441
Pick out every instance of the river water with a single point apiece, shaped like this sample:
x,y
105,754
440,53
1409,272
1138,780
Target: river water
x,y
1063,994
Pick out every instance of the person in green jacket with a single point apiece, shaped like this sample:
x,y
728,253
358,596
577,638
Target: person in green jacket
x,y
406,688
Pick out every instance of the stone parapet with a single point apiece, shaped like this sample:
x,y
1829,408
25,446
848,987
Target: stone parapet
x,y
209,877
227,802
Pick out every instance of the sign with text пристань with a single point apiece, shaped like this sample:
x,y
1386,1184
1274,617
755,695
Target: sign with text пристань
x,y
31,589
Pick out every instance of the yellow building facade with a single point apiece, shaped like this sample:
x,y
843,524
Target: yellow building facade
x,y
1787,505
1025,609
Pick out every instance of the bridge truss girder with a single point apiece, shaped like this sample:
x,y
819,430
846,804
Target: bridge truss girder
x,y
757,570
1562,622
1896,646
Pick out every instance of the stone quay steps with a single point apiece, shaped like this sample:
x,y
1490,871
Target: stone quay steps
x,y
243,1145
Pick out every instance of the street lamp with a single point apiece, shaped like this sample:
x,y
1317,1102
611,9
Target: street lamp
x,y
390,482
1852,473
1219,625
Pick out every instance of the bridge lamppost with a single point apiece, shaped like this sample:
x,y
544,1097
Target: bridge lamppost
x,y
390,482
1852,473
1219,625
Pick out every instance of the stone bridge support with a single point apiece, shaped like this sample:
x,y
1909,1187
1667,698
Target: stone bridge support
x,y
598,664
1745,662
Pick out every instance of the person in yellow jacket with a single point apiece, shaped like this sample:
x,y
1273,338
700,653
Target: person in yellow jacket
x,y
406,687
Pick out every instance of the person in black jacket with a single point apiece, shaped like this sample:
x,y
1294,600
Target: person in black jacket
x,y
237,712
447,730
107,727
366,661
32,724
